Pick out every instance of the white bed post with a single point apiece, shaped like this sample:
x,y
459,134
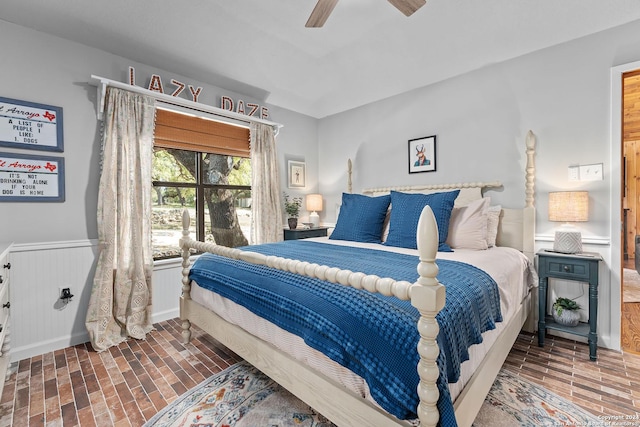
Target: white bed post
x,y
186,284
428,296
529,212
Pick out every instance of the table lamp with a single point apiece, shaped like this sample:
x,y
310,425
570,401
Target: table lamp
x,y
314,204
568,207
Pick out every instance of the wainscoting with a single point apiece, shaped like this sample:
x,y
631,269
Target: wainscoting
x,y
40,321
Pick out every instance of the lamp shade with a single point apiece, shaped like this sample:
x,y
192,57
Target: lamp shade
x,y
569,206
314,202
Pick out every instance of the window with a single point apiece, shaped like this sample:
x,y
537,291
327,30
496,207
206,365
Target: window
x,y
215,188
201,165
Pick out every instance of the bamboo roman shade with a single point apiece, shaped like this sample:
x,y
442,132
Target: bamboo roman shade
x,y
184,132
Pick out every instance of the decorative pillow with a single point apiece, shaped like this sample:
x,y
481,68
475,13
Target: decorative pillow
x,y
493,218
405,213
360,218
468,226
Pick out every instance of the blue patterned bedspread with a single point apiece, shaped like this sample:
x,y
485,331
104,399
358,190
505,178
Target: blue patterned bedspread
x,y
372,335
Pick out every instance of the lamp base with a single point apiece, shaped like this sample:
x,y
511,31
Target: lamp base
x,y
567,242
314,219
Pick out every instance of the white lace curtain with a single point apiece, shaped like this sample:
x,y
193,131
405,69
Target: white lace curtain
x,y
120,303
266,223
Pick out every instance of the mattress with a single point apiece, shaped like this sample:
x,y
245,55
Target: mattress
x,y
511,270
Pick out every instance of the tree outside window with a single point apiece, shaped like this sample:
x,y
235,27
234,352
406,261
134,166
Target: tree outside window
x,y
215,188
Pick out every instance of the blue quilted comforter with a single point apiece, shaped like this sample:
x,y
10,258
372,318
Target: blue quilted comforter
x,y
372,335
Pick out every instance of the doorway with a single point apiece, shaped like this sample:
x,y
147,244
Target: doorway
x,y
630,307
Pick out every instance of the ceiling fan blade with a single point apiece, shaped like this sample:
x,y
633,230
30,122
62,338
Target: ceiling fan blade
x,y
320,13
408,6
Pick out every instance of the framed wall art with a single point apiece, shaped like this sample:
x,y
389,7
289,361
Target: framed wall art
x,y
29,125
422,154
27,178
296,172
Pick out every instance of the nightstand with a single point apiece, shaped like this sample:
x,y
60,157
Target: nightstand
x,y
582,267
304,233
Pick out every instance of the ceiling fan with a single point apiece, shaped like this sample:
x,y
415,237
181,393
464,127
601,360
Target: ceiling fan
x,y
324,8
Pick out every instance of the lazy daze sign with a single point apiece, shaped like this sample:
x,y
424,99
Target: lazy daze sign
x,y
176,88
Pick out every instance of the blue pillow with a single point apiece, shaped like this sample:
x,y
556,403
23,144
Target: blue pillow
x,y
361,218
405,213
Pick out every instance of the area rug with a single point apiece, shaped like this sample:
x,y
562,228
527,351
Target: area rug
x,y
239,396
242,396
514,401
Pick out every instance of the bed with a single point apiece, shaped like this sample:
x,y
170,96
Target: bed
x,y
348,398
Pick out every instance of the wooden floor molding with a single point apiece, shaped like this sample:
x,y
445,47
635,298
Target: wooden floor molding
x,y
128,384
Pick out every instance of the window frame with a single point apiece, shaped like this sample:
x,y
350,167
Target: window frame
x,y
200,188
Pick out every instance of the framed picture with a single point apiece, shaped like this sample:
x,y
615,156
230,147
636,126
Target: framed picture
x,y
297,174
27,178
422,154
29,125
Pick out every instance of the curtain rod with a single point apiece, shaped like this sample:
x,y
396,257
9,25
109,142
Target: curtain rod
x,y
103,83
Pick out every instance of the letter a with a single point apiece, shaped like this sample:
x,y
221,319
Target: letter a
x,y
155,84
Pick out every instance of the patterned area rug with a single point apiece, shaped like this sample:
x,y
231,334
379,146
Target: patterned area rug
x,y
239,396
242,396
514,401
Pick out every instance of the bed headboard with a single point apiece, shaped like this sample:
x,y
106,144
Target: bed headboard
x,y
469,191
516,228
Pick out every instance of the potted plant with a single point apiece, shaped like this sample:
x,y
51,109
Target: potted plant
x,y
565,311
292,208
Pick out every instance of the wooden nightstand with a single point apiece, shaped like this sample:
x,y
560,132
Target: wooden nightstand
x,y
304,233
581,267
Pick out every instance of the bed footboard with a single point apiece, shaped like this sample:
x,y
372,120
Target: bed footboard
x,y
427,295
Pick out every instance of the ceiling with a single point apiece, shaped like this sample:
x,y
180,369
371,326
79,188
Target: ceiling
x,y
366,51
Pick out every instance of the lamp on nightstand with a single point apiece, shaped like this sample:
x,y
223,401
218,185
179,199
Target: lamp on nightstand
x,y
314,204
568,207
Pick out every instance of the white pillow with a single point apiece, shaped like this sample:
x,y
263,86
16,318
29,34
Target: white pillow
x,y
493,218
468,226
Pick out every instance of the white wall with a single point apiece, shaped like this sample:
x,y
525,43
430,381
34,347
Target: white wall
x,y
481,119
56,242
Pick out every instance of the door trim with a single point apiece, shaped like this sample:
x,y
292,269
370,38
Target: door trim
x,y
616,196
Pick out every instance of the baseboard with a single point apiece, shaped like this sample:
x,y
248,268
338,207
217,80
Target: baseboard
x,y
165,315
42,347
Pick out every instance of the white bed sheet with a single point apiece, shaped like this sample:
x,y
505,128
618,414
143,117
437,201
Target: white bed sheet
x,y
511,270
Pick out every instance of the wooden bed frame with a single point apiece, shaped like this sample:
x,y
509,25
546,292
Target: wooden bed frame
x,y
331,399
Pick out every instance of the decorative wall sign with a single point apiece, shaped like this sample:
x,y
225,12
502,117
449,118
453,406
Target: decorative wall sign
x,y
248,109
297,174
29,125
155,84
226,102
26,178
422,154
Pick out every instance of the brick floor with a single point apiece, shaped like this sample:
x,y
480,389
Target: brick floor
x,y
128,384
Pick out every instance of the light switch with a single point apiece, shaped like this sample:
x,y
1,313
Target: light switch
x,y
591,172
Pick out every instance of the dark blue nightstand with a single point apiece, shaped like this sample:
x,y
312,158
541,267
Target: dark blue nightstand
x,y
304,233
582,267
